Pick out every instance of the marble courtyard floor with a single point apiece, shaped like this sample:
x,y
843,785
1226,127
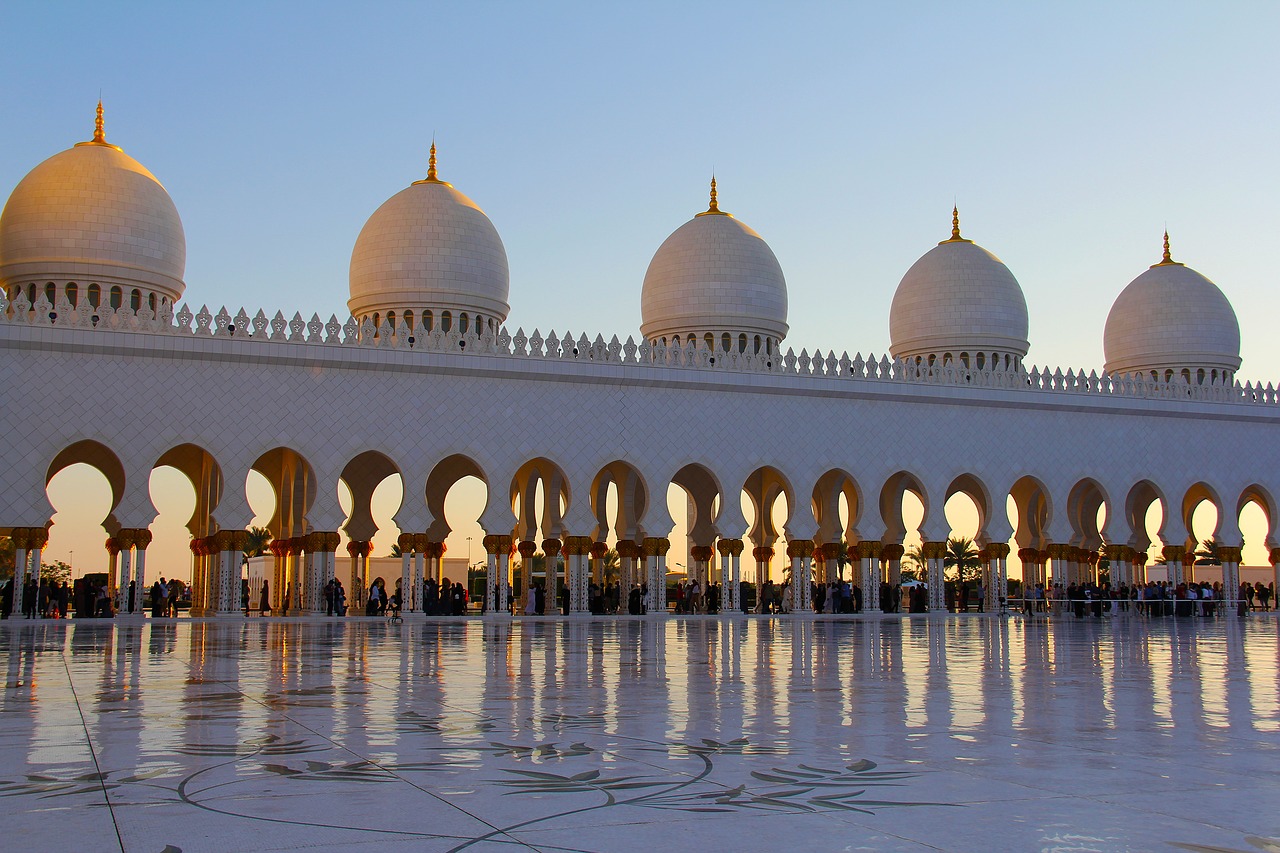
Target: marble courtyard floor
x,y
937,733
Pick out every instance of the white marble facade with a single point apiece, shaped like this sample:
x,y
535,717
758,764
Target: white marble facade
x,y
128,385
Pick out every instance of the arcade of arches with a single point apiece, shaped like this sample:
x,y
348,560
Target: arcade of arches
x,y
1057,536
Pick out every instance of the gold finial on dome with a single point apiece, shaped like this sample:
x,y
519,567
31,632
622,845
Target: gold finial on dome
x,y
431,177
1167,260
99,136
713,209
955,228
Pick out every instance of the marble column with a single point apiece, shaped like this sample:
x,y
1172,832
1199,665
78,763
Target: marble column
x,y
141,539
113,568
526,549
420,542
551,548
1173,563
800,552
763,556
576,549
1274,557
1229,556
405,541
869,573
934,554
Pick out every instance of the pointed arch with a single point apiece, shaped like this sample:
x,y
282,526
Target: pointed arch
x,y
198,466
98,456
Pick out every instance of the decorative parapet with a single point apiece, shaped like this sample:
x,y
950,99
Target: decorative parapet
x,y
693,355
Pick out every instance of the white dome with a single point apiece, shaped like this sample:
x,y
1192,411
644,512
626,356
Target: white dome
x,y
714,275
429,247
93,215
958,298
1171,318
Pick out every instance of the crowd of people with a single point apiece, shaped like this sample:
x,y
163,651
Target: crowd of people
x,y
1154,598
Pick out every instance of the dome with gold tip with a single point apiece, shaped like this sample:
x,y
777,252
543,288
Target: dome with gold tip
x,y
92,220
960,304
431,253
1171,320
715,280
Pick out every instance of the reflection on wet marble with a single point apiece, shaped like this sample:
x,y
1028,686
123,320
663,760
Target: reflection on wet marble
x,y
694,734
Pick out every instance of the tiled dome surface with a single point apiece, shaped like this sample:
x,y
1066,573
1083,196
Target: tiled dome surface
x,y
958,298
1171,317
93,213
714,274
429,246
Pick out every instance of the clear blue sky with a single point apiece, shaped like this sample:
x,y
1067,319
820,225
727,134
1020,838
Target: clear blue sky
x,y
1069,133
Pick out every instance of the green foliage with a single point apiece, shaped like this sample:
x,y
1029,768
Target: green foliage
x,y
259,539
963,556
55,571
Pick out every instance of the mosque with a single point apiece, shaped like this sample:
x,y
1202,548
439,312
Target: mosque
x,y
577,438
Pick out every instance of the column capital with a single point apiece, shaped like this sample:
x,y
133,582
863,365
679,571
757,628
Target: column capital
x,y
701,553
727,547
492,544
762,555
113,547
577,546
551,547
1173,553
599,549
933,550
657,546
892,551
1274,556
1029,555
420,543
1228,554
869,549
405,541
527,548
800,548
38,537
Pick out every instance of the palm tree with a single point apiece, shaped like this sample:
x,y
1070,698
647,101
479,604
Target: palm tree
x,y
841,557
963,556
612,568
395,551
919,566
1207,553
259,539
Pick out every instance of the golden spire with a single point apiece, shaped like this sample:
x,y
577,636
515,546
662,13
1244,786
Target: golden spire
x,y
431,177
1167,260
955,228
713,209
99,137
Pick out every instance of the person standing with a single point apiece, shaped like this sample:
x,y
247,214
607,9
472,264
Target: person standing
x,y
264,599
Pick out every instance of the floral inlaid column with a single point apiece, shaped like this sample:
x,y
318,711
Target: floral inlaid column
x,y
576,550
934,554
869,572
764,558
1173,563
800,552
551,548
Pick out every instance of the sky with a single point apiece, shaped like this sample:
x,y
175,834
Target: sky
x,y
1070,136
